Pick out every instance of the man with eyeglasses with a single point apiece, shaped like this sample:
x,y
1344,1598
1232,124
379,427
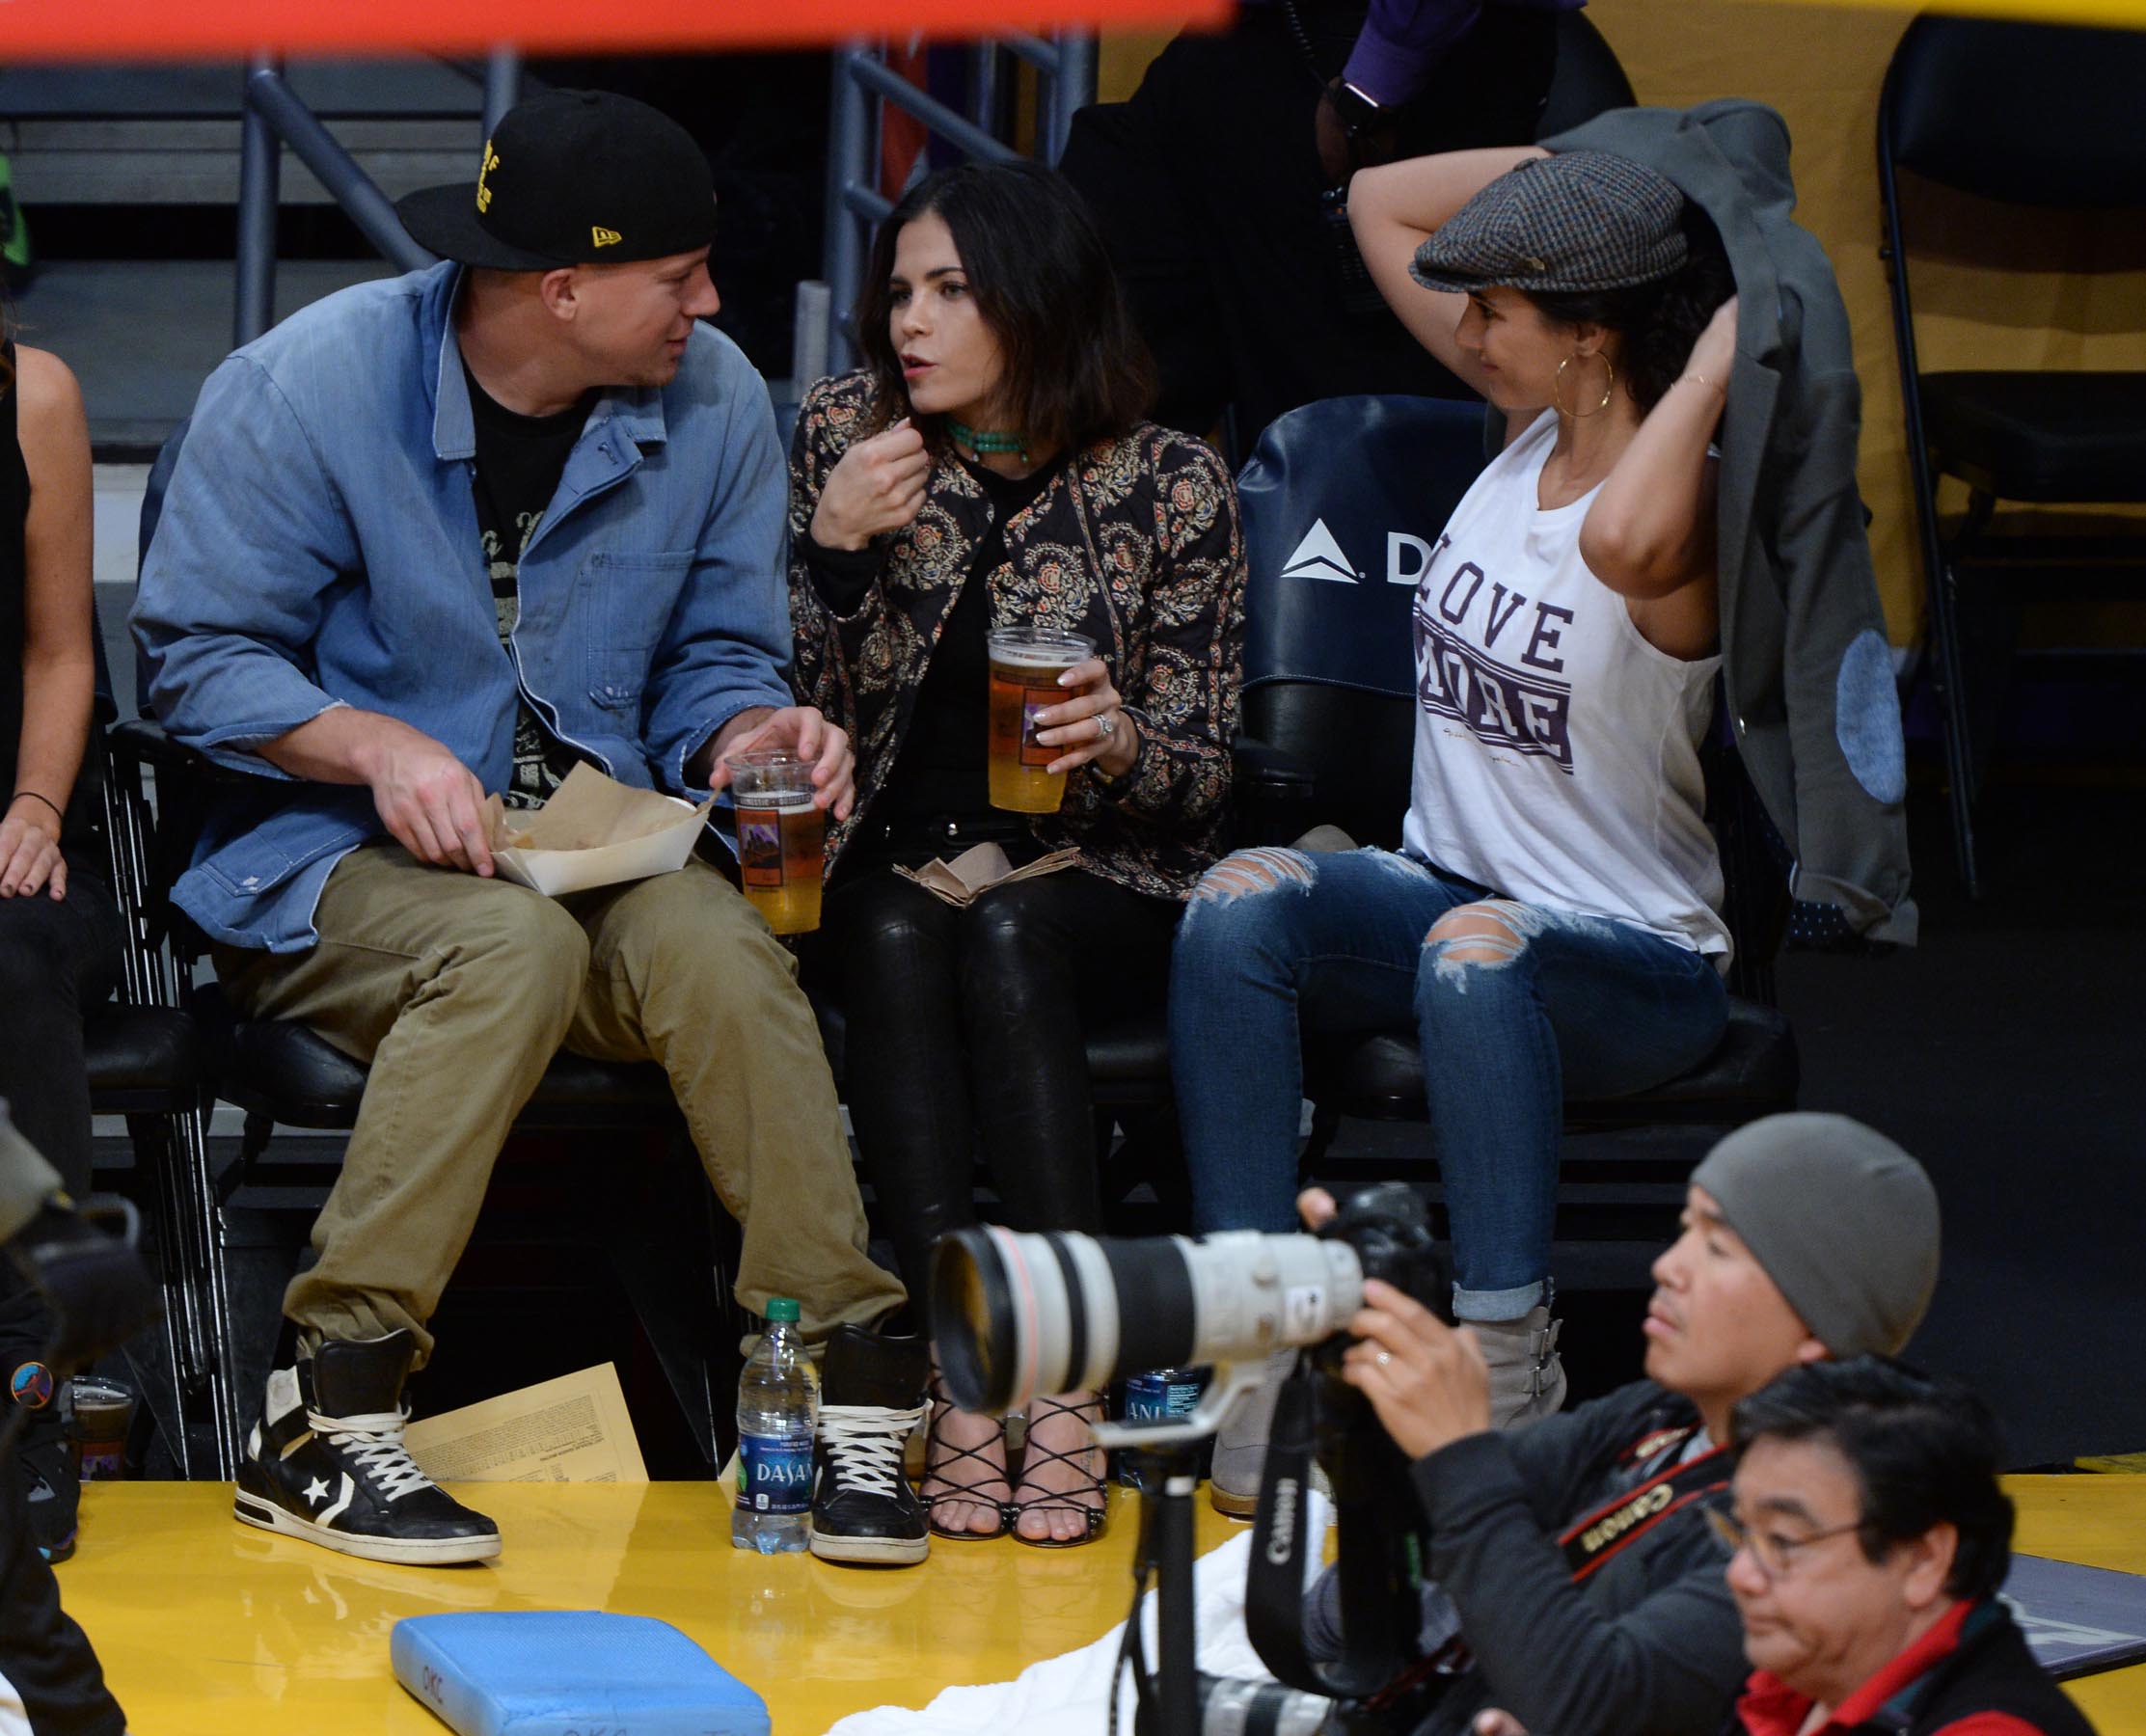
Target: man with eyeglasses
x,y
1868,1538
1573,1586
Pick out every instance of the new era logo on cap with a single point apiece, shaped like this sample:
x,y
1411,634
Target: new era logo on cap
x,y
603,237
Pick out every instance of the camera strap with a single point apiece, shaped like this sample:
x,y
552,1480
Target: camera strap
x,y
1598,1538
1375,1646
1379,1613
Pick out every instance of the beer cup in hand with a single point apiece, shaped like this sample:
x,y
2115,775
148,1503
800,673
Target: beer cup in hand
x,y
1025,663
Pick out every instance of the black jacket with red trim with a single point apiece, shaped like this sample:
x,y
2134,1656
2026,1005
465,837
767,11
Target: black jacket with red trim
x,y
1647,1643
1972,1674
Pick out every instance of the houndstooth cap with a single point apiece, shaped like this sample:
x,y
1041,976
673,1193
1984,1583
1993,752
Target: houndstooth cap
x,y
1580,220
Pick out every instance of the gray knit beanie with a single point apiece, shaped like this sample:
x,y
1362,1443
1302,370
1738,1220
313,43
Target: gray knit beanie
x,y
1844,1222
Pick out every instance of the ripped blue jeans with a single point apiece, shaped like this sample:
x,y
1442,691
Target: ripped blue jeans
x,y
1517,1006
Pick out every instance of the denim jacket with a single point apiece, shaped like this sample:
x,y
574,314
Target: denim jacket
x,y
319,546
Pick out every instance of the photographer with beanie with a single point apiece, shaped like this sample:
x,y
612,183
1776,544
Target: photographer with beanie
x,y
1572,1581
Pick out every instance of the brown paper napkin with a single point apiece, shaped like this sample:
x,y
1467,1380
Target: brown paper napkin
x,y
980,868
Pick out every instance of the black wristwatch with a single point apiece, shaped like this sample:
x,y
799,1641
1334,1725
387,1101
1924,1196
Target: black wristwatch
x,y
1358,112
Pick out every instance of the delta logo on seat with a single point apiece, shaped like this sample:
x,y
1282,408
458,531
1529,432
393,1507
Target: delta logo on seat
x,y
1321,555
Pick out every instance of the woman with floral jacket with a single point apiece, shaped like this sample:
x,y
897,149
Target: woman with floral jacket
x,y
989,468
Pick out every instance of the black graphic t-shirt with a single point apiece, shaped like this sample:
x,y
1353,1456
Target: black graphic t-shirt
x,y
518,461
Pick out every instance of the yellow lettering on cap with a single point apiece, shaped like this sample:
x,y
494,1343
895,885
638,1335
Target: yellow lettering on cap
x,y
603,237
491,162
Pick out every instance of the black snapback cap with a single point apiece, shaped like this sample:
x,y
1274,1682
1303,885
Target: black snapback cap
x,y
572,177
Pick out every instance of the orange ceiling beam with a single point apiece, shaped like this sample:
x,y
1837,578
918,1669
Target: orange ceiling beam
x,y
213,29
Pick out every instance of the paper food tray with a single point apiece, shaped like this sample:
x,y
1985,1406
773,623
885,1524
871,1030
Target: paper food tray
x,y
619,834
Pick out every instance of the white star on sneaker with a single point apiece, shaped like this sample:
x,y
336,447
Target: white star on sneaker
x,y
316,1492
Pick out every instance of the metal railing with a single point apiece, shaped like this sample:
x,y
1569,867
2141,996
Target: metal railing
x,y
864,84
273,116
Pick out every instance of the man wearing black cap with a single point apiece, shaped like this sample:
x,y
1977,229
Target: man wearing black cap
x,y
1572,1582
450,534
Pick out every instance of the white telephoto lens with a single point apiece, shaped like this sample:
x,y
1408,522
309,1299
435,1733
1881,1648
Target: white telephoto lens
x,y
1255,1293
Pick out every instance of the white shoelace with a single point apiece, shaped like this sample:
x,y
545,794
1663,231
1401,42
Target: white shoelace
x,y
375,1441
865,1442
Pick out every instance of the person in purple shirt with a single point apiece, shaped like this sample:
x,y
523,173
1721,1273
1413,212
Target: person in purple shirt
x,y
1219,188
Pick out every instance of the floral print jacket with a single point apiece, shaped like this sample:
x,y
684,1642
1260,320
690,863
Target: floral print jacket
x,y
1135,543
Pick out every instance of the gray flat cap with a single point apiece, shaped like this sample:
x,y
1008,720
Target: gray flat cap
x,y
1843,1220
1580,220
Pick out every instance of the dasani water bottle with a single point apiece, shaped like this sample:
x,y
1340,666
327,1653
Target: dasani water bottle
x,y
778,1410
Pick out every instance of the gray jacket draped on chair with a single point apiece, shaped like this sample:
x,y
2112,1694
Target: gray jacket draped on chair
x,y
1805,656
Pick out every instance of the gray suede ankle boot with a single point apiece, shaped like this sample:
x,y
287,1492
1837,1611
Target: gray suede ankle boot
x,y
1527,1376
1240,1442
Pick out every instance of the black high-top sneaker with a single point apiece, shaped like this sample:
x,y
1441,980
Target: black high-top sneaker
x,y
326,1463
871,1399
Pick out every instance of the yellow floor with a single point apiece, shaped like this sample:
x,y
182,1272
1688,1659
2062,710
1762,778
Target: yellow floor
x,y
208,1626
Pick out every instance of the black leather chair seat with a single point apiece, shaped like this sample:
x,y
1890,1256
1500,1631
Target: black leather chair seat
x,y
1753,1072
1128,1062
287,1070
2031,436
141,1059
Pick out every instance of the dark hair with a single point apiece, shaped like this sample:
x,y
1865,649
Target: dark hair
x,y
1660,321
1075,367
1925,1451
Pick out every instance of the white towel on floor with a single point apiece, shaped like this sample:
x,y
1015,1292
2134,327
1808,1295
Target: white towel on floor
x,y
1070,1695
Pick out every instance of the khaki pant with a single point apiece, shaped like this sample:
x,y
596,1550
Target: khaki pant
x,y
457,990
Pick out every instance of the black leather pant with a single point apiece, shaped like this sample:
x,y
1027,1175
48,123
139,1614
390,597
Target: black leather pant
x,y
964,1036
59,959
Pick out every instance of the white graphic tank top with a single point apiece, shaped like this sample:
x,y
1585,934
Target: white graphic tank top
x,y
1557,751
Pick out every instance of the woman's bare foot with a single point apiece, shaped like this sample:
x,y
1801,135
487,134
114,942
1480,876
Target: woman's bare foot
x,y
964,1486
1061,1476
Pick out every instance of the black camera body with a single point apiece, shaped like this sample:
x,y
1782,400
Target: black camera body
x,y
1388,1228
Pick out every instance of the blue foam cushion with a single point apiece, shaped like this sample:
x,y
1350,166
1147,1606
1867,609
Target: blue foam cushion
x,y
562,1672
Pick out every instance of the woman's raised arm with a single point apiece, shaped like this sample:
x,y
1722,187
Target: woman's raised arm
x,y
1395,208
1650,532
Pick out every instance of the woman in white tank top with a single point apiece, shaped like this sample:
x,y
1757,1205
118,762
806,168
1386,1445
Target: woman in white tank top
x,y
1552,922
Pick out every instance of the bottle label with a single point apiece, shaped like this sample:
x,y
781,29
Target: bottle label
x,y
775,1475
1164,1395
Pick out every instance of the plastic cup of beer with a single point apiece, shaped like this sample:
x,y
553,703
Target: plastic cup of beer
x,y
103,1414
1027,663
782,838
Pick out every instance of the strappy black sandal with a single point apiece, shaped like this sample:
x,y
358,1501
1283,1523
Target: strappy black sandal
x,y
936,1468
1073,1499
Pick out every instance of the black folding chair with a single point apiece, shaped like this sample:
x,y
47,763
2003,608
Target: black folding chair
x,y
146,1062
2017,115
670,1244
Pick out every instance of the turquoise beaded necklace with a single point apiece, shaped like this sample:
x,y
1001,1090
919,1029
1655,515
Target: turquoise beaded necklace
x,y
977,442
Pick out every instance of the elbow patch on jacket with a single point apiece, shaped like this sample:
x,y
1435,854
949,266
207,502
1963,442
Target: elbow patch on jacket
x,y
1866,717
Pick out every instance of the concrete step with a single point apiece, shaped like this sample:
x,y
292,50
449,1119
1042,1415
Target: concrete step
x,y
142,335
169,135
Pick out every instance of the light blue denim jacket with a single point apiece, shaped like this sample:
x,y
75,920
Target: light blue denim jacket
x,y
318,547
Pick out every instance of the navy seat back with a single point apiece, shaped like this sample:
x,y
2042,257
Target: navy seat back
x,y
1344,499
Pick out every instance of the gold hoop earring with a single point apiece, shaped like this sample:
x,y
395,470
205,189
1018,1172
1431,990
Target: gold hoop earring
x,y
1609,386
